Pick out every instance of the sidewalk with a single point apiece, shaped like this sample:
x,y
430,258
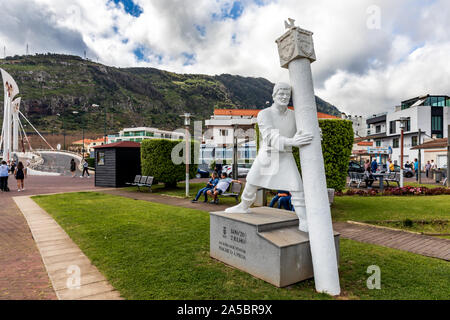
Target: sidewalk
x,y
22,272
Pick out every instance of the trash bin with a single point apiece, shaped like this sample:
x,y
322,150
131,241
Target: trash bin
x,y
438,176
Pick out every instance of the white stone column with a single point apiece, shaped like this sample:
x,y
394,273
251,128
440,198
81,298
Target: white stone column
x,y
296,50
15,116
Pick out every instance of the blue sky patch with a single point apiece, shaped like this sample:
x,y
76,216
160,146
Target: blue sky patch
x,y
130,7
190,59
233,11
201,30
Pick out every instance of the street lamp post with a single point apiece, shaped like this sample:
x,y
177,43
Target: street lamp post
x,y
82,126
420,157
402,127
187,123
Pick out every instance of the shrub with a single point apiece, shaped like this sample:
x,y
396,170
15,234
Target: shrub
x,y
337,147
156,161
406,191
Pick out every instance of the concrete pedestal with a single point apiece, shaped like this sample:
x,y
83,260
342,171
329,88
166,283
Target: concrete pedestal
x,y
266,244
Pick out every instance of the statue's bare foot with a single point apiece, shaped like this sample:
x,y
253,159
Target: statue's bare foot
x,y
303,226
240,208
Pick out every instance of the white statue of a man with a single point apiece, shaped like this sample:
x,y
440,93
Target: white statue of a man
x,y
275,167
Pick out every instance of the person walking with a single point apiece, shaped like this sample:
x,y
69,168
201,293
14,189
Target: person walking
x,y
85,169
73,167
374,166
417,169
20,173
366,165
4,173
427,169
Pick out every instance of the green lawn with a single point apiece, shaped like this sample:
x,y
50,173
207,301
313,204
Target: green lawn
x,y
154,251
358,208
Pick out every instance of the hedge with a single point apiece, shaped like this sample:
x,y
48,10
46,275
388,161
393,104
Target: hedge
x,y
156,161
337,148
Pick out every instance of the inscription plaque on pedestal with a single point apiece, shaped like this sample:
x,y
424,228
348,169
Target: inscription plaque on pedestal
x,y
266,244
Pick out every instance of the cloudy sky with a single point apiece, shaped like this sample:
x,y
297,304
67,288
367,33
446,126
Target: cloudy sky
x,y
372,54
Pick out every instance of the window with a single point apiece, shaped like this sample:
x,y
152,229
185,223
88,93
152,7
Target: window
x,y
436,123
396,143
378,144
393,127
223,133
414,141
408,126
378,129
101,158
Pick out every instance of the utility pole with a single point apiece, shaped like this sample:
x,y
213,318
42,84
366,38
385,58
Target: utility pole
x,y
420,157
402,127
235,153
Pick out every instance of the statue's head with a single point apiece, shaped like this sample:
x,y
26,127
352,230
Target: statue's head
x,y
282,93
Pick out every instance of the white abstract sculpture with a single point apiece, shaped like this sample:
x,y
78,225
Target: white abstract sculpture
x,y
10,116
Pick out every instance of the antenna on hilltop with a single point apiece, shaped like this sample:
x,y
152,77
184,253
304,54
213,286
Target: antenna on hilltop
x,y
4,51
84,54
27,49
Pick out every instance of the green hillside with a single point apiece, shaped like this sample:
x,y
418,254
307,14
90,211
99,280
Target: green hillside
x,y
54,84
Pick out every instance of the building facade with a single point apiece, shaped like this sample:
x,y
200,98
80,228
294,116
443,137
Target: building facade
x,y
429,114
143,133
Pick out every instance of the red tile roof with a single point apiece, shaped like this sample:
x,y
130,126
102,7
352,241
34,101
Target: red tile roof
x,y
254,113
433,144
122,144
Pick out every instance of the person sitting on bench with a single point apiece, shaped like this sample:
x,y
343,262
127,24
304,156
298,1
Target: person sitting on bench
x,y
283,198
211,184
221,188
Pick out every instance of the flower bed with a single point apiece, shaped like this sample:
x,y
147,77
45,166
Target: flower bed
x,y
405,191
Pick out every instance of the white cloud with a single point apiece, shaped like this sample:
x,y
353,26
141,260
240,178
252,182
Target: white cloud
x,y
360,70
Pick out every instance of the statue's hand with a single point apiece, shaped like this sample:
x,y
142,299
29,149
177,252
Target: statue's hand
x,y
302,139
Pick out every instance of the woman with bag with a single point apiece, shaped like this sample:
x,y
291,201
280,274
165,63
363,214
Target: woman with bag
x,y
20,173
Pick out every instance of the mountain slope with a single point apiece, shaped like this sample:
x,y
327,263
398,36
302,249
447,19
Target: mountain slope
x,y
59,84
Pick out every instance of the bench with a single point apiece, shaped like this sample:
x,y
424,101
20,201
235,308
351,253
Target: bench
x,y
142,181
234,191
393,177
356,178
137,179
147,183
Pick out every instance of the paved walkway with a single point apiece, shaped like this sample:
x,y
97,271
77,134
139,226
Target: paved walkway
x,y
419,244
406,241
22,273
66,264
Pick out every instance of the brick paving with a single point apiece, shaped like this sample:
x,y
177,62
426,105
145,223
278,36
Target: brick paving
x,y
406,241
22,272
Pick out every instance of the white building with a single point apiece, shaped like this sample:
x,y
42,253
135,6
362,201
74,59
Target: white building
x,y
430,114
359,124
218,140
143,133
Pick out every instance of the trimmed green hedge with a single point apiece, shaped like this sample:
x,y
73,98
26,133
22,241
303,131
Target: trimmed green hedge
x,y
156,161
337,148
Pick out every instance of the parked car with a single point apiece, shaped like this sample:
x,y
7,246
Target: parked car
x,y
355,167
201,173
243,169
407,172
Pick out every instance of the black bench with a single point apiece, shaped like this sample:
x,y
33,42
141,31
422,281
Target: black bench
x,y
234,191
142,181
